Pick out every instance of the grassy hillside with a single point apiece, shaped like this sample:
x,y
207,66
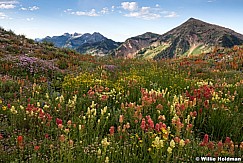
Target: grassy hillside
x,y
94,109
149,53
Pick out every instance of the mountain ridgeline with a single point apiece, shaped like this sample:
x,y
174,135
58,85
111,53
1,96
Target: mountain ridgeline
x,y
192,37
95,44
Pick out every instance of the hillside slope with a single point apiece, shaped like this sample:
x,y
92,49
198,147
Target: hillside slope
x,y
192,37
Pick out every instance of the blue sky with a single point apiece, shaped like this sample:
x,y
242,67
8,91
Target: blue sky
x,y
115,19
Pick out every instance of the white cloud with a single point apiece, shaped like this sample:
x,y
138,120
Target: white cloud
x,y
144,13
210,1
105,10
113,8
88,13
3,16
7,4
23,8
30,19
33,8
132,9
91,13
171,15
67,10
131,6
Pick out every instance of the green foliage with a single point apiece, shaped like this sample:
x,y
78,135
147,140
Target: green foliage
x,y
9,89
48,43
62,64
91,109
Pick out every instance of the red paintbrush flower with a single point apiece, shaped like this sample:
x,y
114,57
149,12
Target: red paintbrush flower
x,y
227,140
58,121
112,130
205,139
36,148
20,140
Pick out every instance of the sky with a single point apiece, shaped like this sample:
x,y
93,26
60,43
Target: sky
x,y
115,19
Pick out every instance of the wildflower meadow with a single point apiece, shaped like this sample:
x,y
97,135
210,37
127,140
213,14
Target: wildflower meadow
x,y
79,108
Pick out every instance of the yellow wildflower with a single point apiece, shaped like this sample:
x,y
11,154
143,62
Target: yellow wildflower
x,y
21,107
164,131
106,159
4,108
169,150
13,110
45,106
172,144
99,152
182,143
105,143
157,143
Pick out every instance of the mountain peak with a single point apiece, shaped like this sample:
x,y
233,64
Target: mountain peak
x,y
97,34
191,37
77,34
66,34
193,19
196,36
